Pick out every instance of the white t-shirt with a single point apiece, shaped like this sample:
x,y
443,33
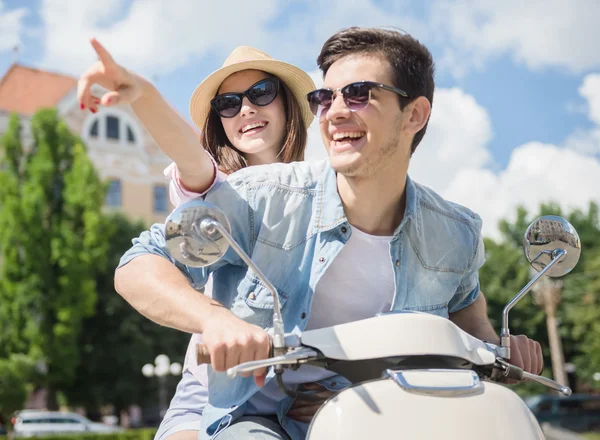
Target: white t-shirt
x,y
358,284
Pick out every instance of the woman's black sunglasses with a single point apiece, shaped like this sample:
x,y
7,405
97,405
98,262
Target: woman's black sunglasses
x,y
262,93
356,96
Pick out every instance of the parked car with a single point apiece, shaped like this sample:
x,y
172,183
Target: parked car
x,y
37,423
578,412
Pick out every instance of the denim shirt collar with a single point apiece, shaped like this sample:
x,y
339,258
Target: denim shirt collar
x,y
331,210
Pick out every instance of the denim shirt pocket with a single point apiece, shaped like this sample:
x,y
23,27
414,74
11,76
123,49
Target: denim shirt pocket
x,y
291,207
433,276
254,302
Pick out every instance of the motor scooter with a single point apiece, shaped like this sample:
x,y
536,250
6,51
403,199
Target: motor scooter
x,y
436,381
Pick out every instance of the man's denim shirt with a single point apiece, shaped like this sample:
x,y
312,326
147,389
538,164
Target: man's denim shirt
x,y
289,218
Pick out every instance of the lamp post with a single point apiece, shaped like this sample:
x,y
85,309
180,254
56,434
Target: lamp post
x,y
161,368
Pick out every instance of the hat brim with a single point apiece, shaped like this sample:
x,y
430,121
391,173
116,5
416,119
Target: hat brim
x,y
298,81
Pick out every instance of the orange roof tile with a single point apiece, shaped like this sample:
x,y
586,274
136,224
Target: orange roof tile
x,y
25,90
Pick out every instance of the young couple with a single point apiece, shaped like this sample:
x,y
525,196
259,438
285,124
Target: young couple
x,y
341,240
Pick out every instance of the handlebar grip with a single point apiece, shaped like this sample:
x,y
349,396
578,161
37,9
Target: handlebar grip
x,y
202,354
514,372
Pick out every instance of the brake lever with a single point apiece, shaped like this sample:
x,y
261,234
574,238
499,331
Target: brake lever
x,y
547,382
503,370
298,356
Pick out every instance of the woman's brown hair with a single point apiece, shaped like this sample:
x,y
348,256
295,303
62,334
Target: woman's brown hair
x,y
230,159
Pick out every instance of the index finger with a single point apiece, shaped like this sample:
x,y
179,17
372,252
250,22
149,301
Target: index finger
x,y
103,54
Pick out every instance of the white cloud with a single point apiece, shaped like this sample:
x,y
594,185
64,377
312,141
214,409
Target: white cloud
x,y
588,141
590,90
538,33
457,162
154,36
11,27
303,37
457,137
536,173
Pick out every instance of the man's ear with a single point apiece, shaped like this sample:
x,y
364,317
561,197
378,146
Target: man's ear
x,y
416,115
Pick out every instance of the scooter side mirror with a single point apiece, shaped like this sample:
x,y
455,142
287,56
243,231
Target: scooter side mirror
x,y
553,248
545,238
190,237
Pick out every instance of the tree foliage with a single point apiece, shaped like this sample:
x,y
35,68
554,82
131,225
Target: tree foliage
x,y
51,244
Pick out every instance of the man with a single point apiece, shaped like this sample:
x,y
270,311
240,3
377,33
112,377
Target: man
x,y
341,240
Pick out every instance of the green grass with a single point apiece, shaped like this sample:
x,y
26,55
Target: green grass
x,y
591,436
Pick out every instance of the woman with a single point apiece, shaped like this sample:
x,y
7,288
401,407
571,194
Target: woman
x,y
252,111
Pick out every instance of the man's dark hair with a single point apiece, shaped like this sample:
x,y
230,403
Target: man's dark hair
x,y
411,63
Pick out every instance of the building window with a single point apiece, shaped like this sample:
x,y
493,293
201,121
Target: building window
x,y
113,197
94,129
112,127
130,136
160,199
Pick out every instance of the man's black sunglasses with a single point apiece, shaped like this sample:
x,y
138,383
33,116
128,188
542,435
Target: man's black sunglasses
x,y
356,96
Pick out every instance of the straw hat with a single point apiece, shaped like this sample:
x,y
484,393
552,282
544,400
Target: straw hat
x,y
243,58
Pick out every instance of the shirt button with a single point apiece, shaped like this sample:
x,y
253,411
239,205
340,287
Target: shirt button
x,y
252,296
397,263
344,229
303,316
322,260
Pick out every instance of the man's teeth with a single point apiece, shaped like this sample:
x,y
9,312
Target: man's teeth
x,y
245,128
349,134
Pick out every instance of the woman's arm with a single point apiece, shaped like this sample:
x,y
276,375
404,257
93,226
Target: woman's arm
x,y
169,130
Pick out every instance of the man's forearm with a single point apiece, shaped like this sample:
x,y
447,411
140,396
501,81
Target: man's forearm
x,y
474,320
160,292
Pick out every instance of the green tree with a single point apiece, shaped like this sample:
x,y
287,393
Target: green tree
x,y
51,245
117,340
14,377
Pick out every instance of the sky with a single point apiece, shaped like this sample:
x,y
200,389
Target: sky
x,y
516,112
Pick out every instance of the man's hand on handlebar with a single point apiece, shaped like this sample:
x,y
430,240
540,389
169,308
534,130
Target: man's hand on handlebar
x,y
526,353
232,341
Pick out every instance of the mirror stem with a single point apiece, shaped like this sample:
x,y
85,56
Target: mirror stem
x,y
208,227
557,255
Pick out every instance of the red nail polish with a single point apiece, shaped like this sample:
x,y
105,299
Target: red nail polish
x,y
93,110
82,106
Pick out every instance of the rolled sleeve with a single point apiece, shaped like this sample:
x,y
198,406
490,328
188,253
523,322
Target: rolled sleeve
x,y
469,288
150,242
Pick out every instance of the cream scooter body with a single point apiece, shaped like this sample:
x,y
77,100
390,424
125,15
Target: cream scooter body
x,y
448,402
